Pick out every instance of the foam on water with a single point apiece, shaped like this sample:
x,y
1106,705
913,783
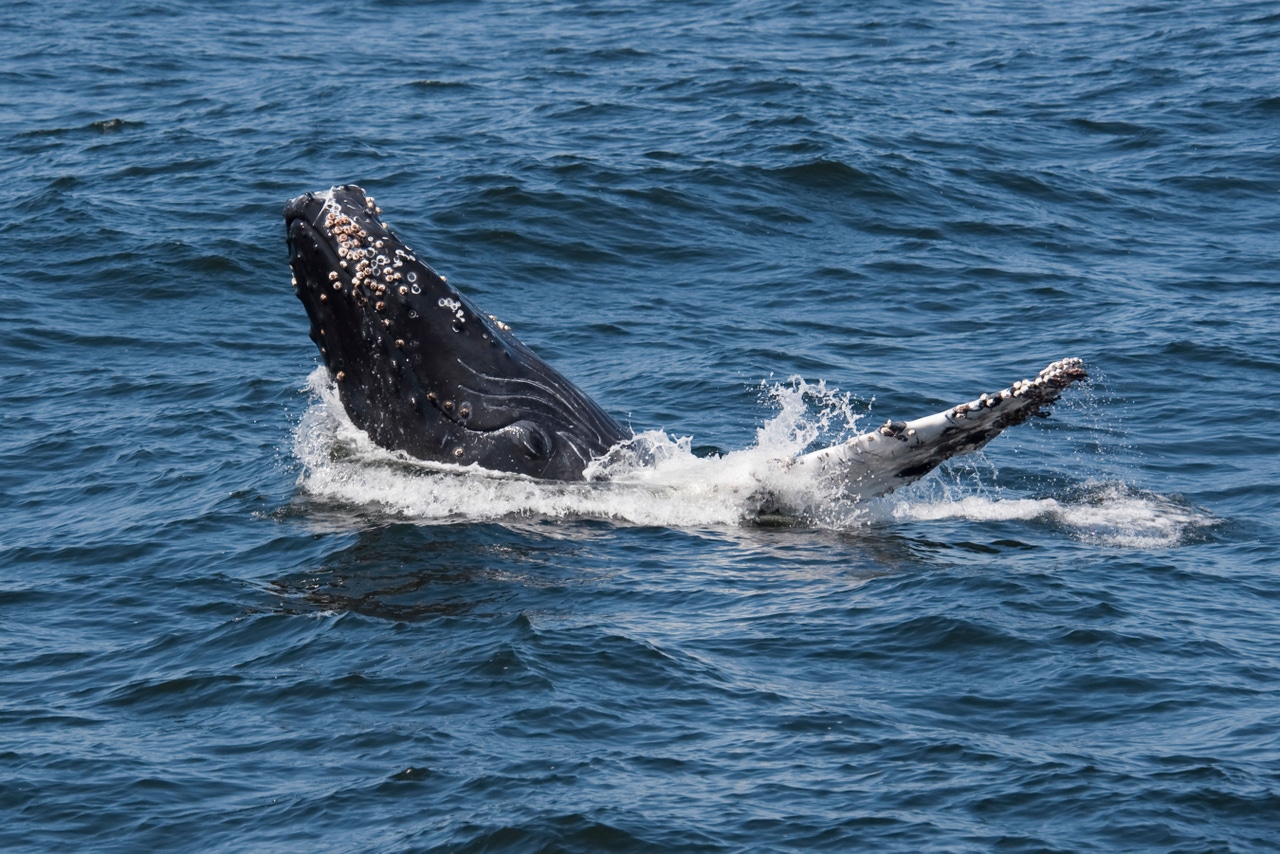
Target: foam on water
x,y
1108,513
656,479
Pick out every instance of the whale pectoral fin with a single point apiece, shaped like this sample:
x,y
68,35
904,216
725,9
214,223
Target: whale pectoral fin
x,y
899,453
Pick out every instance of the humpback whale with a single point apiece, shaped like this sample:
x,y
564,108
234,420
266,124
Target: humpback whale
x,y
423,371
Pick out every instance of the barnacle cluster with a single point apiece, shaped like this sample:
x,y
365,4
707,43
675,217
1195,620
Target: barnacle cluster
x,y
379,268
1045,387
372,271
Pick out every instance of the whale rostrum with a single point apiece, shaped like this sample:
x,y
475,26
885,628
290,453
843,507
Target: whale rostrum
x,y
423,371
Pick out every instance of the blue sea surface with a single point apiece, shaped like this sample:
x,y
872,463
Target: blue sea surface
x,y
228,624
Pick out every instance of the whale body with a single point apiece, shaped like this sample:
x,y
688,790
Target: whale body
x,y
423,371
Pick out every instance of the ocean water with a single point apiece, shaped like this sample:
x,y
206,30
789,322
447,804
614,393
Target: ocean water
x,y
230,624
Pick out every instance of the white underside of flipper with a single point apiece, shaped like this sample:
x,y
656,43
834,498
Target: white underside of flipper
x,y
899,453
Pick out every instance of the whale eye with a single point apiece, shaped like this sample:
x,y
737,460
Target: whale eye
x,y
533,440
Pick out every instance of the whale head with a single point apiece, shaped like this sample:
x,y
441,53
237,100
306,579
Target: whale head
x,y
417,365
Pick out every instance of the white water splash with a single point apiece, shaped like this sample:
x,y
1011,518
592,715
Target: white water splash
x,y
1110,514
655,479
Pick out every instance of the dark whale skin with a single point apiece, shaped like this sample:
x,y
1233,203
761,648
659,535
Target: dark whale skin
x,y
417,365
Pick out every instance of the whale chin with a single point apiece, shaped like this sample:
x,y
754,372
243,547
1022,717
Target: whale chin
x,y
423,371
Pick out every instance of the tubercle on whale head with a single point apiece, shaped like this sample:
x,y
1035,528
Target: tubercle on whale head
x,y
351,246
345,257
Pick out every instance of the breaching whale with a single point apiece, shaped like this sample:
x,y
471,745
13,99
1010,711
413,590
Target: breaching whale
x,y
423,371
